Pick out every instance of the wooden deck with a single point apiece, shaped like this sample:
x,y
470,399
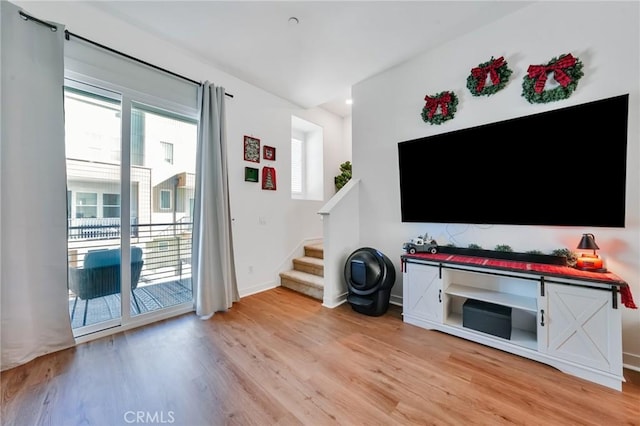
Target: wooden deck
x,y
150,298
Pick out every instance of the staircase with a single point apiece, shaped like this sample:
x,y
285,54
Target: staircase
x,y
307,275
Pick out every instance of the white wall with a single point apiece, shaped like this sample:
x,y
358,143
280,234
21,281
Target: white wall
x,y
267,225
386,110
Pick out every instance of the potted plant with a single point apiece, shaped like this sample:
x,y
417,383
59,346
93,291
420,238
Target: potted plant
x,y
344,176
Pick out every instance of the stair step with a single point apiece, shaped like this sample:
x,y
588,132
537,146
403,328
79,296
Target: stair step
x,y
314,250
311,265
303,282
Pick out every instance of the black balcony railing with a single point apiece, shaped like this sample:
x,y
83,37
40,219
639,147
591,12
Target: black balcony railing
x,y
165,278
166,248
164,245
97,228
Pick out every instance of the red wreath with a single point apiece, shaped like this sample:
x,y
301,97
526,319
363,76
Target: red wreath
x,y
432,104
566,71
539,72
447,103
498,72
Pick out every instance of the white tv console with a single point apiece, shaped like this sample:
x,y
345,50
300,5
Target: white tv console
x,y
562,317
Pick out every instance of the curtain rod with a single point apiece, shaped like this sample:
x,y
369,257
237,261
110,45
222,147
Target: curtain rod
x,y
39,21
68,35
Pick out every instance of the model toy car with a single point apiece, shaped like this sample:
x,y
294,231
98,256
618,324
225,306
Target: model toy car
x,y
421,244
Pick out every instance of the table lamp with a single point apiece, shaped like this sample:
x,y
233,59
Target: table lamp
x,y
589,262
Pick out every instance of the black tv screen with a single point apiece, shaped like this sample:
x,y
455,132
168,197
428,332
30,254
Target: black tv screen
x,y
565,167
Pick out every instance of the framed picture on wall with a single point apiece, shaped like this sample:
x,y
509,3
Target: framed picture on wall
x,y
269,153
269,178
250,174
251,149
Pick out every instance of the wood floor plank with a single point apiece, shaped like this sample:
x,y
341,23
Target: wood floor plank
x,y
280,358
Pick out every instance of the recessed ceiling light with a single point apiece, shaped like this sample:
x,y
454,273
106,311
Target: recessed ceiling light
x,y
349,101
294,21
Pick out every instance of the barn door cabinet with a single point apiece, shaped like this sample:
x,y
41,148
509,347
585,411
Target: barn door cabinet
x,y
572,324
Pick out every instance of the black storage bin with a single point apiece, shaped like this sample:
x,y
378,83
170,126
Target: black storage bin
x,y
487,317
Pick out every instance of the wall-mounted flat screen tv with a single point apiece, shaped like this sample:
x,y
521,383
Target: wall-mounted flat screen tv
x,y
565,167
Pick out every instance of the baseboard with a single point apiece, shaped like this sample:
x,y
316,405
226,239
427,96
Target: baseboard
x,y
395,300
341,299
631,361
258,288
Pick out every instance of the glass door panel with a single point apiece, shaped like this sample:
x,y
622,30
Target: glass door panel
x,y
92,138
163,159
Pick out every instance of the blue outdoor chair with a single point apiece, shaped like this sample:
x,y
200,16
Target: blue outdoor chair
x,y
100,276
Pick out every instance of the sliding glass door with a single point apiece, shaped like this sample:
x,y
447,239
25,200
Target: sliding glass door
x,y
130,178
163,160
93,145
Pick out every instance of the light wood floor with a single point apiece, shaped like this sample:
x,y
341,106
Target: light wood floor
x,y
281,358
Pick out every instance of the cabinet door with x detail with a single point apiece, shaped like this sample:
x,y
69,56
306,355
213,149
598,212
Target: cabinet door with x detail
x,y
581,324
422,292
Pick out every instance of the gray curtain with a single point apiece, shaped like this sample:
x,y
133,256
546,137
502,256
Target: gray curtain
x,y
33,213
214,276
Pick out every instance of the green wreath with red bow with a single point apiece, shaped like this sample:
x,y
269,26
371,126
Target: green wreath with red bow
x,y
498,73
439,108
566,71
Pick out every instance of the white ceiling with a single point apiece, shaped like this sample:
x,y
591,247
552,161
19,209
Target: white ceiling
x,y
335,45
